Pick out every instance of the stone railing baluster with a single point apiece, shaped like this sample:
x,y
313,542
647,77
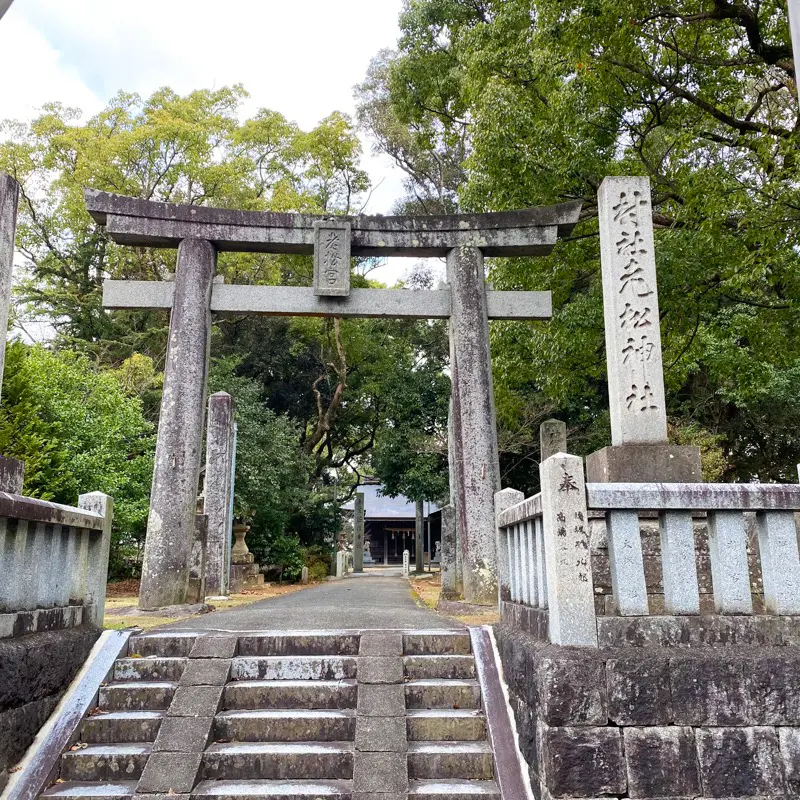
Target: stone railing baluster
x,y
525,563
678,564
627,564
541,566
532,564
505,560
730,574
780,564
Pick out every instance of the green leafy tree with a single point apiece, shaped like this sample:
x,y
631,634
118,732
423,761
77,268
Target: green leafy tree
x,y
552,96
78,431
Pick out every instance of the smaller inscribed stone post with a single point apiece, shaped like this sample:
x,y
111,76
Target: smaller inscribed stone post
x,y
218,488
447,555
630,308
406,563
332,257
552,438
570,589
419,537
358,533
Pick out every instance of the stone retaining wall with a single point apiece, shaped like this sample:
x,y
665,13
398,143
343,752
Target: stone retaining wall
x,y
655,722
35,670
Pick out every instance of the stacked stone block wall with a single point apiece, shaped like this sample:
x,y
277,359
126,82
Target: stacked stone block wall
x,y
656,722
37,664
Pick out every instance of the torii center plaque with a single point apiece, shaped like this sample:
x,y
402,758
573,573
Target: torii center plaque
x,y
199,233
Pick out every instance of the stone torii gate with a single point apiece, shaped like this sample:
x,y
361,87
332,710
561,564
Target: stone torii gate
x,y
199,233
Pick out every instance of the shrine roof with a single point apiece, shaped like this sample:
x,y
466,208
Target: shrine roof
x,y
379,506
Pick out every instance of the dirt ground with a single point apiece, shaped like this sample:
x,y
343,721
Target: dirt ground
x,y
124,594
426,592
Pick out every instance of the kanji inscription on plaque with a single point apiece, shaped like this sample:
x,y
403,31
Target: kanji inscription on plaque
x,y
332,258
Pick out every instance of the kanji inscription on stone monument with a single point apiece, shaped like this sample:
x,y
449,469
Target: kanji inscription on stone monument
x,y
630,300
332,258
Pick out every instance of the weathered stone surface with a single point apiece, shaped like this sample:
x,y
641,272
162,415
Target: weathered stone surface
x,y
381,644
639,690
773,685
572,691
12,471
218,489
630,307
214,647
740,762
332,257
170,525
503,500
448,553
780,561
379,734
197,562
474,425
626,563
566,542
358,533
381,701
645,463
711,691
170,773
552,438
28,670
206,672
419,537
19,726
789,739
678,563
9,200
661,762
380,772
526,232
380,670
568,754
727,541
183,734
195,701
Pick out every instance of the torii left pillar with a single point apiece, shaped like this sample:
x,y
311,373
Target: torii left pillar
x,y
170,524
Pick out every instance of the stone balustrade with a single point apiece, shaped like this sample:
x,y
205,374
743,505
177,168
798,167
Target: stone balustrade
x,y
53,563
546,564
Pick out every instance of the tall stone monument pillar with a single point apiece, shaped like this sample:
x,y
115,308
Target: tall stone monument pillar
x,y
552,438
218,490
358,533
474,428
639,451
170,524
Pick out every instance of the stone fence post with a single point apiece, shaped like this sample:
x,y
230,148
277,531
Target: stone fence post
x,y
502,501
570,588
98,553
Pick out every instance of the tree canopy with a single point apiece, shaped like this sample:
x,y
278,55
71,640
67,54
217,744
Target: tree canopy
x,y
546,98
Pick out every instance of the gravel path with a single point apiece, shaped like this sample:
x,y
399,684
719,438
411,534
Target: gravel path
x,y
381,602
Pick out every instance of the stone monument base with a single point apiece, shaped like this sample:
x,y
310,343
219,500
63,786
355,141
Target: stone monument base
x,y
12,475
245,576
644,463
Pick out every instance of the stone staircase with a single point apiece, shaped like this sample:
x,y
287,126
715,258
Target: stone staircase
x,y
295,716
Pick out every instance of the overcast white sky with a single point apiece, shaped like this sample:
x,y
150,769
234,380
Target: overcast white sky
x,y
299,57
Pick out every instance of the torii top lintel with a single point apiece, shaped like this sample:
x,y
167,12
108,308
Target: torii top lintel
x,y
530,232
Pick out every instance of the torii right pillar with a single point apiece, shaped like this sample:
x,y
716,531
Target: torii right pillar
x,y
474,430
639,451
